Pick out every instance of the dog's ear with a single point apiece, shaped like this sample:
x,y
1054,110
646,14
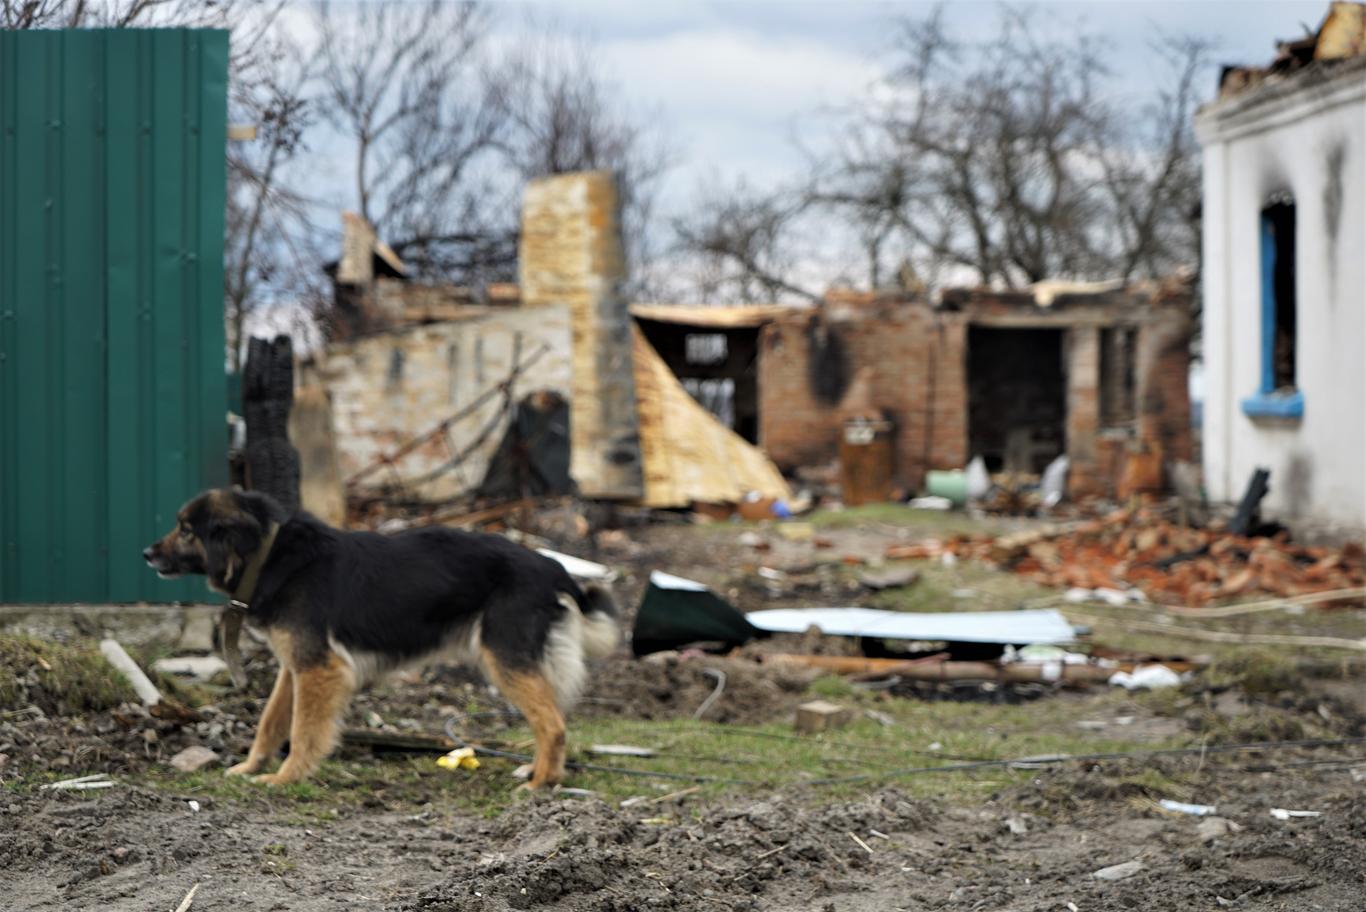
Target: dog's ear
x,y
261,506
229,542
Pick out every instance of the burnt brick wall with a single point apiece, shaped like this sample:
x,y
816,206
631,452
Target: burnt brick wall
x,y
915,357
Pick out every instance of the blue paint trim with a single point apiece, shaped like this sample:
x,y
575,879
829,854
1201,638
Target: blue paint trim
x,y
1268,403
1268,305
1275,405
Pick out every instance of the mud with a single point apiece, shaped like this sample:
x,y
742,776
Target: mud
x,y
402,844
1030,849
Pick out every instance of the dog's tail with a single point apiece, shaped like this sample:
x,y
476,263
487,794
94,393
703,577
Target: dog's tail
x,y
588,629
601,621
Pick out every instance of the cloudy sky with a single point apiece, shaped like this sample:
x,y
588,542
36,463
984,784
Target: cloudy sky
x,y
734,82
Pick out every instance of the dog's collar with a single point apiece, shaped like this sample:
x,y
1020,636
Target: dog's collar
x,y
241,596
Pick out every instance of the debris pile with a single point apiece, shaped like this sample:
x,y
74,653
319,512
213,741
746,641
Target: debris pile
x,y
1167,562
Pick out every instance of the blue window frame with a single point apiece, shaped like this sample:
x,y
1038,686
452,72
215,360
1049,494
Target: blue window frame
x,y
1278,394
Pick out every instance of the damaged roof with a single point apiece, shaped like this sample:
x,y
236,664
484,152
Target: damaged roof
x,y
703,316
1340,37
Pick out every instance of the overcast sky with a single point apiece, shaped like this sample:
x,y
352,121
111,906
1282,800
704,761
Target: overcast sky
x,y
733,82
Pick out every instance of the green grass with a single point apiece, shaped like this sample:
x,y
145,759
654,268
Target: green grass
x,y
748,762
58,678
991,590
931,522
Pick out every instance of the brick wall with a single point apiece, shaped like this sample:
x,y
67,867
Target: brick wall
x,y
914,361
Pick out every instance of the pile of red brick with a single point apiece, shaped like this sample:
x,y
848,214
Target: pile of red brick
x,y
1169,563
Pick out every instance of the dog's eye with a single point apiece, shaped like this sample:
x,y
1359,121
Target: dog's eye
x,y
185,532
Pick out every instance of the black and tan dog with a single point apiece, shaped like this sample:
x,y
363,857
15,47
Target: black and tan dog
x,y
341,608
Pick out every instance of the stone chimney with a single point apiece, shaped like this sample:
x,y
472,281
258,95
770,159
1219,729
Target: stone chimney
x,y
571,253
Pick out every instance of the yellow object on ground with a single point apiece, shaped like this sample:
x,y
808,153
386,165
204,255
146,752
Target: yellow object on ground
x,y
460,758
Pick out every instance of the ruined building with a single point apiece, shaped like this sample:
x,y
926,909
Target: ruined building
x,y
1285,275
1096,372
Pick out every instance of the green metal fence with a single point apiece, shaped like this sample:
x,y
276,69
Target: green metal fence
x,y
112,378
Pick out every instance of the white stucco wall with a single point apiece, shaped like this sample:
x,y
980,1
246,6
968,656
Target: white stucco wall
x,y
1286,137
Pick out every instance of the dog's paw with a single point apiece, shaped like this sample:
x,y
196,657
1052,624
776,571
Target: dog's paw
x,y
245,768
271,779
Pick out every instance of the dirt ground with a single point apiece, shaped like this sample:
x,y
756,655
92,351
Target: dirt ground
x,y
389,832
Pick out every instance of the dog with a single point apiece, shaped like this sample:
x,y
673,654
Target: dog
x,y
342,608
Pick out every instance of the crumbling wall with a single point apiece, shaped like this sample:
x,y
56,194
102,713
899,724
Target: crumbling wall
x,y
391,387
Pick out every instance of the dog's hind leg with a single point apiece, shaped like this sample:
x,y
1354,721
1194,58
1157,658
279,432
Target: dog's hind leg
x,y
530,691
274,726
321,692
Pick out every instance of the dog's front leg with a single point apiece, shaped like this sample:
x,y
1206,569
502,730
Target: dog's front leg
x,y
274,727
321,693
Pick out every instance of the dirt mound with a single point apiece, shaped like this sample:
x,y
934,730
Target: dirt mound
x,y
583,856
672,687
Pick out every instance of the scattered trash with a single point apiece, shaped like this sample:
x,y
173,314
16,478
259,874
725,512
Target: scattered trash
x,y
1053,486
863,845
82,783
121,660
1146,677
570,792
797,531
1119,871
1180,807
1018,627
881,718
579,568
460,758
1016,825
951,486
1212,828
677,611
1284,814
620,750
193,758
200,668
930,502
977,479
188,900
193,806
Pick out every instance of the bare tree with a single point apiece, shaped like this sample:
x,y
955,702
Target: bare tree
x,y
563,116
1151,167
740,240
405,84
265,255
1009,159
33,14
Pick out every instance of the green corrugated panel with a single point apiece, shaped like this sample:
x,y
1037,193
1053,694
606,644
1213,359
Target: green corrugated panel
x,y
112,383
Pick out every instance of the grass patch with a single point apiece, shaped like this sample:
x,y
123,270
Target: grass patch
x,y
1259,672
932,522
963,586
57,678
746,762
